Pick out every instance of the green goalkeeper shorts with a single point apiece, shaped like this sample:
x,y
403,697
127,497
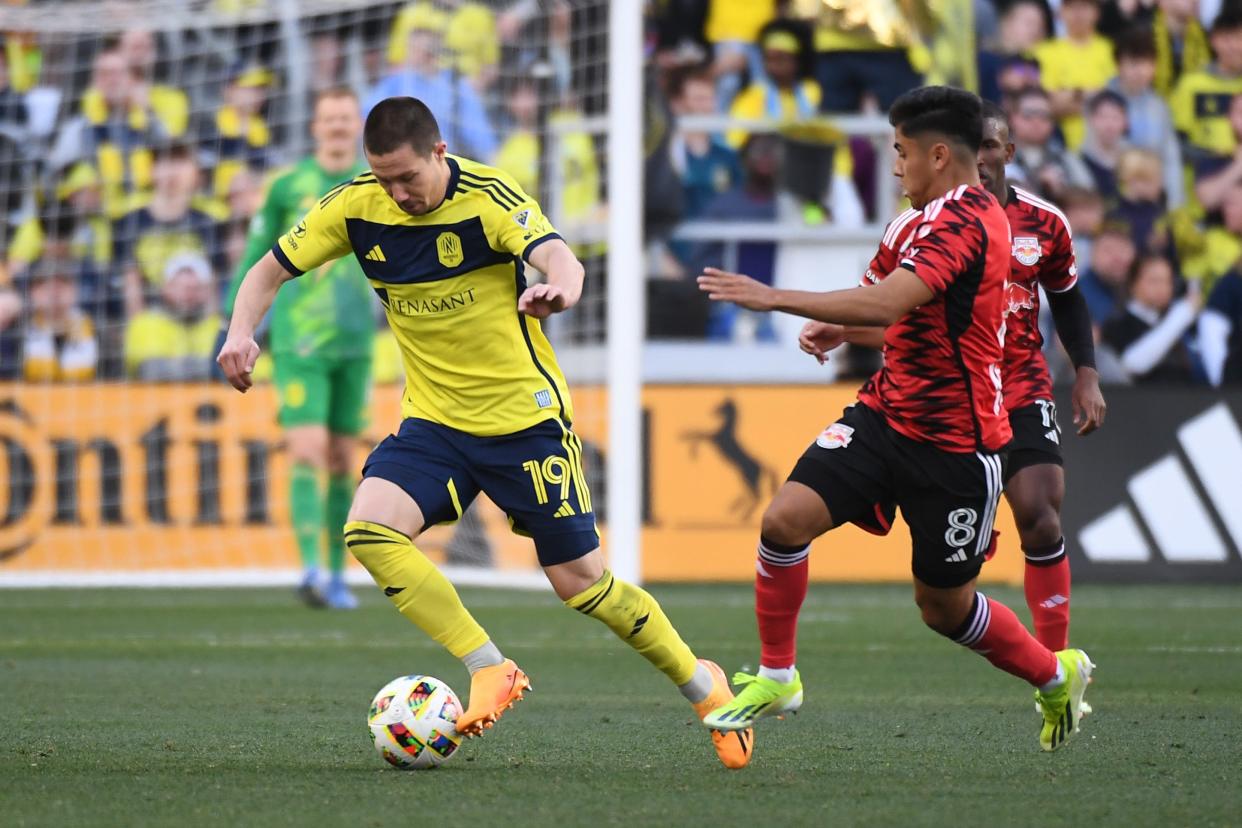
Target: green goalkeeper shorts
x,y
323,391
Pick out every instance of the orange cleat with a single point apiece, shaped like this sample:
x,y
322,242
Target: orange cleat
x,y
734,747
493,690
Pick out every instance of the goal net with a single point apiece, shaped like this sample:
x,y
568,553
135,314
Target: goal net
x,y
136,139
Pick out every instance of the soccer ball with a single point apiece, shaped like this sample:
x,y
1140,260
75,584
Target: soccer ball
x,y
413,722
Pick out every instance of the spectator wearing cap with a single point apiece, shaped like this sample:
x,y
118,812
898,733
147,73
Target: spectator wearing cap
x,y
1147,115
59,344
172,341
1103,284
1181,43
1220,331
170,222
464,122
239,138
1201,102
115,134
1095,163
1023,25
1075,66
1149,335
470,38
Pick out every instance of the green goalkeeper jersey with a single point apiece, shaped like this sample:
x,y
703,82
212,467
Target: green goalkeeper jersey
x,y
326,312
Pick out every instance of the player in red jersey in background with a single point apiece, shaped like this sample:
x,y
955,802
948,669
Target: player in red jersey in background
x,y
1042,256
928,433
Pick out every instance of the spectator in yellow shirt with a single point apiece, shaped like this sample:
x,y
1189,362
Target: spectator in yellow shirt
x,y
1074,67
173,340
732,28
1201,101
785,90
1181,44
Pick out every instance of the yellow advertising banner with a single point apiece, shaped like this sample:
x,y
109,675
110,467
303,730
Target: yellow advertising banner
x,y
134,478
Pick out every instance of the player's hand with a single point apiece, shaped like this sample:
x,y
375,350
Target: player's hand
x,y
722,286
818,338
236,359
542,300
1088,402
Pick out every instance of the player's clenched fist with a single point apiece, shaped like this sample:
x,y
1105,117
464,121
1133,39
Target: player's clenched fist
x,y
818,338
236,359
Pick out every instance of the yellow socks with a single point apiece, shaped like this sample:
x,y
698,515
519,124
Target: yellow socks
x,y
637,619
415,586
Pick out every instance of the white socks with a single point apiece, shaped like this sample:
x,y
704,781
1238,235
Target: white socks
x,y
782,674
1057,680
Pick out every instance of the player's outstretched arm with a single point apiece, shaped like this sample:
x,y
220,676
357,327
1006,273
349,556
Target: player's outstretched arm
x,y
564,285
877,305
254,297
1073,323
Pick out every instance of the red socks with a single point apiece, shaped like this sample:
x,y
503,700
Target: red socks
x,y
1047,587
780,589
994,632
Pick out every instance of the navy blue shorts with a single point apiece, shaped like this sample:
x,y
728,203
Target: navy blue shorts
x,y
534,475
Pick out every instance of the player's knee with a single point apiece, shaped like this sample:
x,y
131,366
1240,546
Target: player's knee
x,y
943,610
1039,525
308,446
785,525
340,456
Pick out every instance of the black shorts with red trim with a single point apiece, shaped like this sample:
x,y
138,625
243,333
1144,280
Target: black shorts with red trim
x,y
948,499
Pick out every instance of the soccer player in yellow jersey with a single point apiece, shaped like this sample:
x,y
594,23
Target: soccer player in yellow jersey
x,y
443,241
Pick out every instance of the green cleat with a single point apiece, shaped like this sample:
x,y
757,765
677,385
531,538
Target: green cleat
x,y
759,697
1062,707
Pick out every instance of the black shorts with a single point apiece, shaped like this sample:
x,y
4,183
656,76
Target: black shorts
x,y
947,498
1036,437
534,475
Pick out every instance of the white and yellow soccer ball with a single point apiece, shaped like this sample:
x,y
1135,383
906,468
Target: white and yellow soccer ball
x,y
413,722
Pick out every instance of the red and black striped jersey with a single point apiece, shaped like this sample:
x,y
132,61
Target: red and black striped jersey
x,y
941,380
1042,254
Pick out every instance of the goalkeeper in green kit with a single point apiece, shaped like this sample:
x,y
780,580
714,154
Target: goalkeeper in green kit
x,y
320,338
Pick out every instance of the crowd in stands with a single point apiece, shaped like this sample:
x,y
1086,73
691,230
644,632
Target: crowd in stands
x,y
132,161
1125,113
128,188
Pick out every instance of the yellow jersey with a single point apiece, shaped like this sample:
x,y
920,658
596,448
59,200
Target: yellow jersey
x,y
1200,108
1064,64
449,282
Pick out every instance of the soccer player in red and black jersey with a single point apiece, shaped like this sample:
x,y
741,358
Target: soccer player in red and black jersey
x,y
928,433
1042,256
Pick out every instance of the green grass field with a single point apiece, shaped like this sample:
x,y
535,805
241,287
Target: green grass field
x,y
242,708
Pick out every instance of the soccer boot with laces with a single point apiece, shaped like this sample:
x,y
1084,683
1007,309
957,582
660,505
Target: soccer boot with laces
x,y
733,747
759,697
1062,707
493,690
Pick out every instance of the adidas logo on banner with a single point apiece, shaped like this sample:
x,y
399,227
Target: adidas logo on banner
x,y
565,511
957,557
376,255
1168,504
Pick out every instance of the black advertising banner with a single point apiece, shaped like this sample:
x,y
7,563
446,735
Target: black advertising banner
x,y
1156,495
